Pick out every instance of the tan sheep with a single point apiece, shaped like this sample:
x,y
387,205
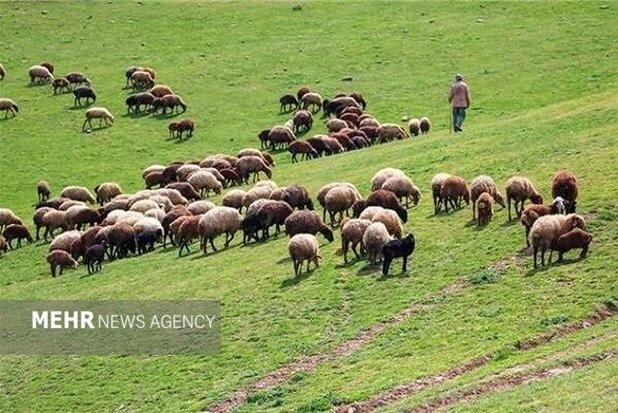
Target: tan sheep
x,y
304,247
252,165
548,228
480,184
391,221
383,175
339,200
106,191
352,231
204,182
436,189
219,220
8,105
518,189
234,198
453,190
78,193
39,74
485,208
389,131
404,188
98,113
375,237
200,207
8,217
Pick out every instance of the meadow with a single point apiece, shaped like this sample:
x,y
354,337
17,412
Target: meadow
x,y
543,83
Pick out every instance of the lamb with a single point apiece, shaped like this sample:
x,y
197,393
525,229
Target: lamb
x,y
8,105
389,218
335,125
485,208
66,241
480,184
273,213
159,91
18,232
297,196
288,103
200,207
175,213
518,189
564,184
53,220
280,136
305,221
339,200
311,100
177,129
8,217
425,125
352,231
252,165
574,239
76,78
389,131
217,221
106,191
98,113
60,259
186,190
172,102
61,84
204,182
414,125
397,248
534,211
121,240
303,148
39,74
94,257
374,239
141,79
234,199
135,102
383,175
548,228
403,188
302,92
453,190
387,199
303,247
84,92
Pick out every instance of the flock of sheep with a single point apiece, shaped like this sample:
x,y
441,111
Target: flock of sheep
x,y
172,207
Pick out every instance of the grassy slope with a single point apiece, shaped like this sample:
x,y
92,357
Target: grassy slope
x,y
550,84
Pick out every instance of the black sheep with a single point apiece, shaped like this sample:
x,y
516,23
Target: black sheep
x,y
251,225
93,258
84,93
146,241
397,248
288,102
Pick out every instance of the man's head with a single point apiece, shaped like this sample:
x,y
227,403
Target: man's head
x,y
458,77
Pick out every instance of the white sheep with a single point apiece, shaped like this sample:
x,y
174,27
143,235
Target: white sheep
x,y
219,220
200,207
39,73
383,175
304,247
404,188
204,182
107,191
148,224
548,228
102,114
375,237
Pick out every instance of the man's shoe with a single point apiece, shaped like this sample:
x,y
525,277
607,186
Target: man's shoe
x,y
457,129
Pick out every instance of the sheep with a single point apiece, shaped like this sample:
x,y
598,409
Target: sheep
x,y
480,184
178,128
436,189
389,218
66,241
534,211
154,179
351,119
39,74
152,168
8,217
370,212
339,200
485,208
69,203
186,190
3,245
303,247
115,204
183,172
518,189
153,230
333,145
575,238
52,220
414,125
145,241
360,142
383,175
84,92
397,248
389,131
106,191
321,196
303,148
306,221
174,196
172,102
213,160
18,232
453,190
231,177
159,91
424,125
257,204
8,105
548,228
76,78
200,207
337,105
252,165
155,213
297,196
234,199
335,125
302,121
130,217
84,216
134,102
98,113
187,232
302,92
370,122
374,239
288,103
266,157
143,205
564,184
343,140
204,182
217,221
279,136
141,79
60,259
130,70
114,216
358,97
61,84
273,213
176,212
93,258
311,100
263,137
2,72
352,231
403,188
121,240
37,219
387,199
371,132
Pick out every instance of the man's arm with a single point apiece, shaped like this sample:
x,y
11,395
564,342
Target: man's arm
x,y
467,97
450,94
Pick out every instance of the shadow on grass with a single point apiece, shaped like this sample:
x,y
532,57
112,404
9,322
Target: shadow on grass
x,y
83,106
290,282
368,269
510,223
94,129
5,118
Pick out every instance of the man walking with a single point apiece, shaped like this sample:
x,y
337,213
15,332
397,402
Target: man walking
x,y
459,98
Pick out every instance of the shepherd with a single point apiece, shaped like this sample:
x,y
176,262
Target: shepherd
x,y
459,98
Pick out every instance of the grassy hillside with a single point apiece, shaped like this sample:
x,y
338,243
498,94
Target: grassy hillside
x,y
543,88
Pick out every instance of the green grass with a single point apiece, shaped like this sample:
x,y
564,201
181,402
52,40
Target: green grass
x,y
543,85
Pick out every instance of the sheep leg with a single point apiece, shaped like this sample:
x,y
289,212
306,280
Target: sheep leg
x,y
508,201
405,263
473,209
212,244
386,264
355,251
542,257
53,270
527,233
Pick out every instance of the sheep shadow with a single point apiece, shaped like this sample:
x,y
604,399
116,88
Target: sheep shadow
x,y
137,115
38,84
284,260
290,282
390,275
510,223
90,275
94,129
81,107
5,118
368,269
169,115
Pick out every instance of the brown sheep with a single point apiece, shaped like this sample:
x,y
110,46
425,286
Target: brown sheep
x,y
485,208
303,148
159,91
7,105
302,92
43,191
480,184
62,259
280,136
518,189
305,221
154,179
534,211
60,84
302,121
318,144
288,103
248,165
177,128
565,185
18,232
574,239
297,196
171,102
76,78
387,199
453,190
